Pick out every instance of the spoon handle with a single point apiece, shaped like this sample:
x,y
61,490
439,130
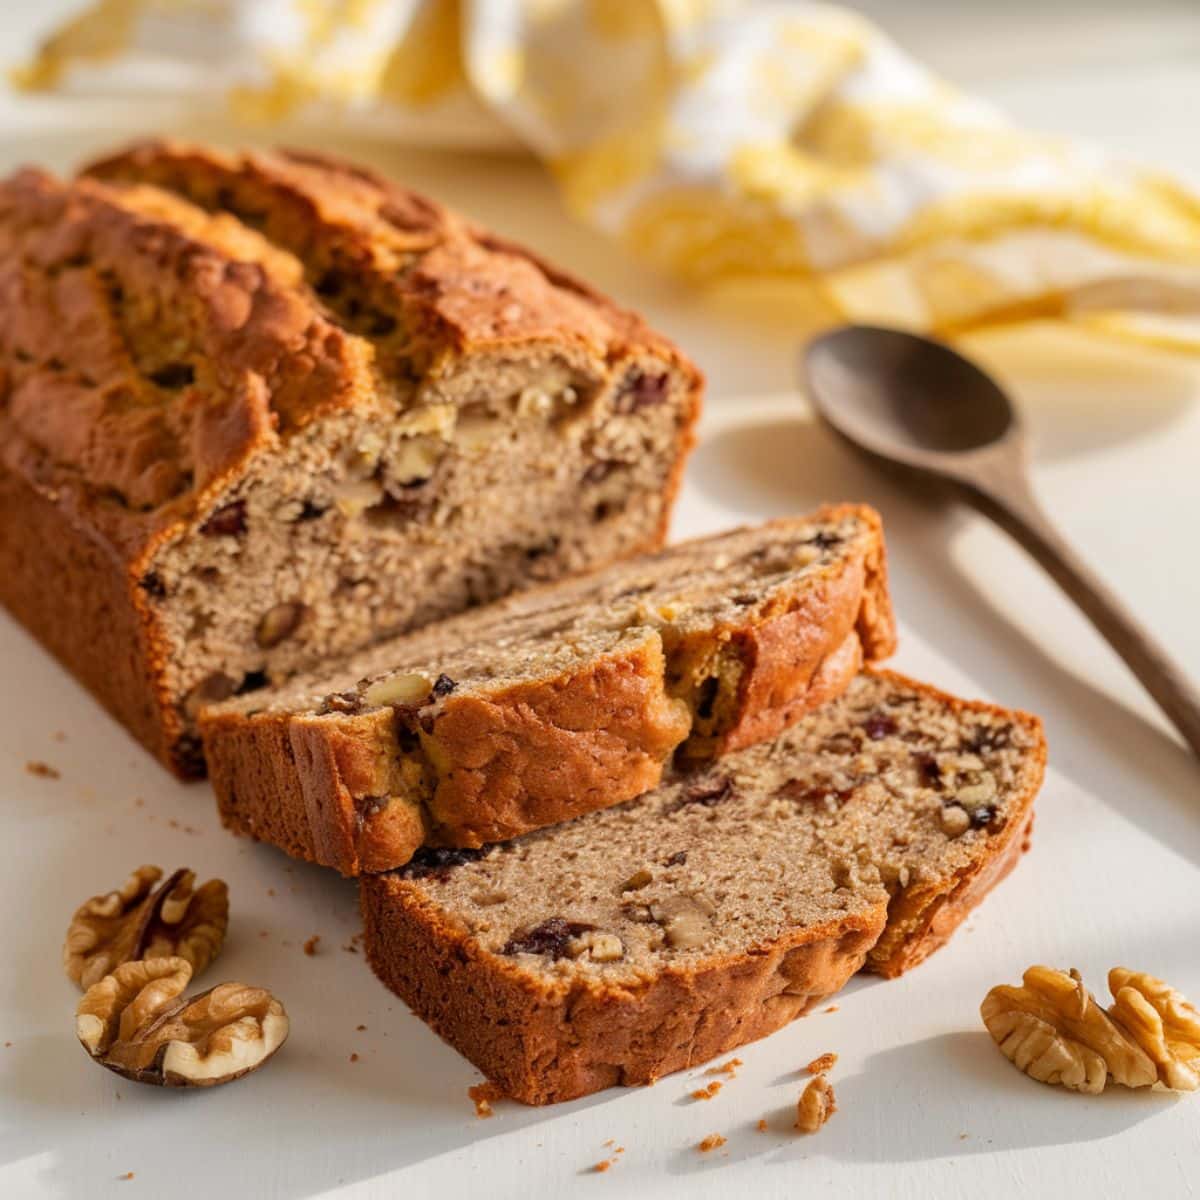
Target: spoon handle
x,y
1005,496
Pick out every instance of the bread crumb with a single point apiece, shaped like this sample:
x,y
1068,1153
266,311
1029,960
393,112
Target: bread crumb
x,y
726,1068
816,1105
707,1093
354,1058
310,947
360,1028
42,770
127,1175
832,1008
603,1165
7,1044
823,1063
762,1125
483,1094
713,1142
961,1136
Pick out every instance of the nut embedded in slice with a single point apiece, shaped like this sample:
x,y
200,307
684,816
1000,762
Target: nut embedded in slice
x,y
140,921
1161,1021
1052,1029
138,1023
816,1105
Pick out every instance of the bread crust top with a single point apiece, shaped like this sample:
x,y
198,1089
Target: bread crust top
x,y
174,312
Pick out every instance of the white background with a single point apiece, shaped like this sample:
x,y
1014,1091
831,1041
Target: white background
x,y
927,1106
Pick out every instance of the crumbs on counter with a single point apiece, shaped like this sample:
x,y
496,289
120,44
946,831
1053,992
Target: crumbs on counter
x,y
310,946
832,1008
351,947
360,1028
726,1068
714,1141
127,1176
354,1058
762,1125
707,1093
42,770
482,1095
822,1063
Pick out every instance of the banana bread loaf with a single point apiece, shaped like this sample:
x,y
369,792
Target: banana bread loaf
x,y
557,701
257,411
647,938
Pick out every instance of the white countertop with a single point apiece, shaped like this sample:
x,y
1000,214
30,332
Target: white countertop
x,y
1113,876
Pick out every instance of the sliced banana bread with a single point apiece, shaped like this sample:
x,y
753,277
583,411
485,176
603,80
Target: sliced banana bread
x,y
647,938
261,410
557,701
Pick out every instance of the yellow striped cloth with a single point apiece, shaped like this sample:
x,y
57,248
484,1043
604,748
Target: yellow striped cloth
x,y
719,138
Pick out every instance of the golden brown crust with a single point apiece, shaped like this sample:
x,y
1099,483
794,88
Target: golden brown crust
x,y
459,287
555,1038
114,287
68,591
546,751
542,1046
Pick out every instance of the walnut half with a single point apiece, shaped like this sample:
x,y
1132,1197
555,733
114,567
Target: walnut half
x,y
1162,1023
139,921
137,1023
1052,1029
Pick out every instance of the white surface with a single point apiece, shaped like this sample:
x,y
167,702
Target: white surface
x,y
1112,877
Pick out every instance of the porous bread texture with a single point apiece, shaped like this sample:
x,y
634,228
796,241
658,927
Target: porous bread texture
x,y
644,939
558,700
261,410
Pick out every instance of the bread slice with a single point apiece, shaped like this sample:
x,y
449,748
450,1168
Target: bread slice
x,y
559,700
647,938
261,410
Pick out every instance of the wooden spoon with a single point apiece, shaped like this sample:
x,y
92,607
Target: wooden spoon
x,y
915,402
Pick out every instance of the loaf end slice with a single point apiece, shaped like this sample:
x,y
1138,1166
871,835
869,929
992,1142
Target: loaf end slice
x,y
647,938
559,701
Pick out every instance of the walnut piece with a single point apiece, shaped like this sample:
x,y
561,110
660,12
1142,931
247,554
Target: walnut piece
x,y
597,946
816,1105
137,1023
1161,1022
1052,1029
686,920
140,921
405,689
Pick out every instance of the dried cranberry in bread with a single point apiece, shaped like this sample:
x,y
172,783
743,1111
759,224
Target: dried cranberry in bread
x,y
557,701
650,937
260,410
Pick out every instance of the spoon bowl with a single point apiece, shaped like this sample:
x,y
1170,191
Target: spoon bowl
x,y
905,397
916,402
